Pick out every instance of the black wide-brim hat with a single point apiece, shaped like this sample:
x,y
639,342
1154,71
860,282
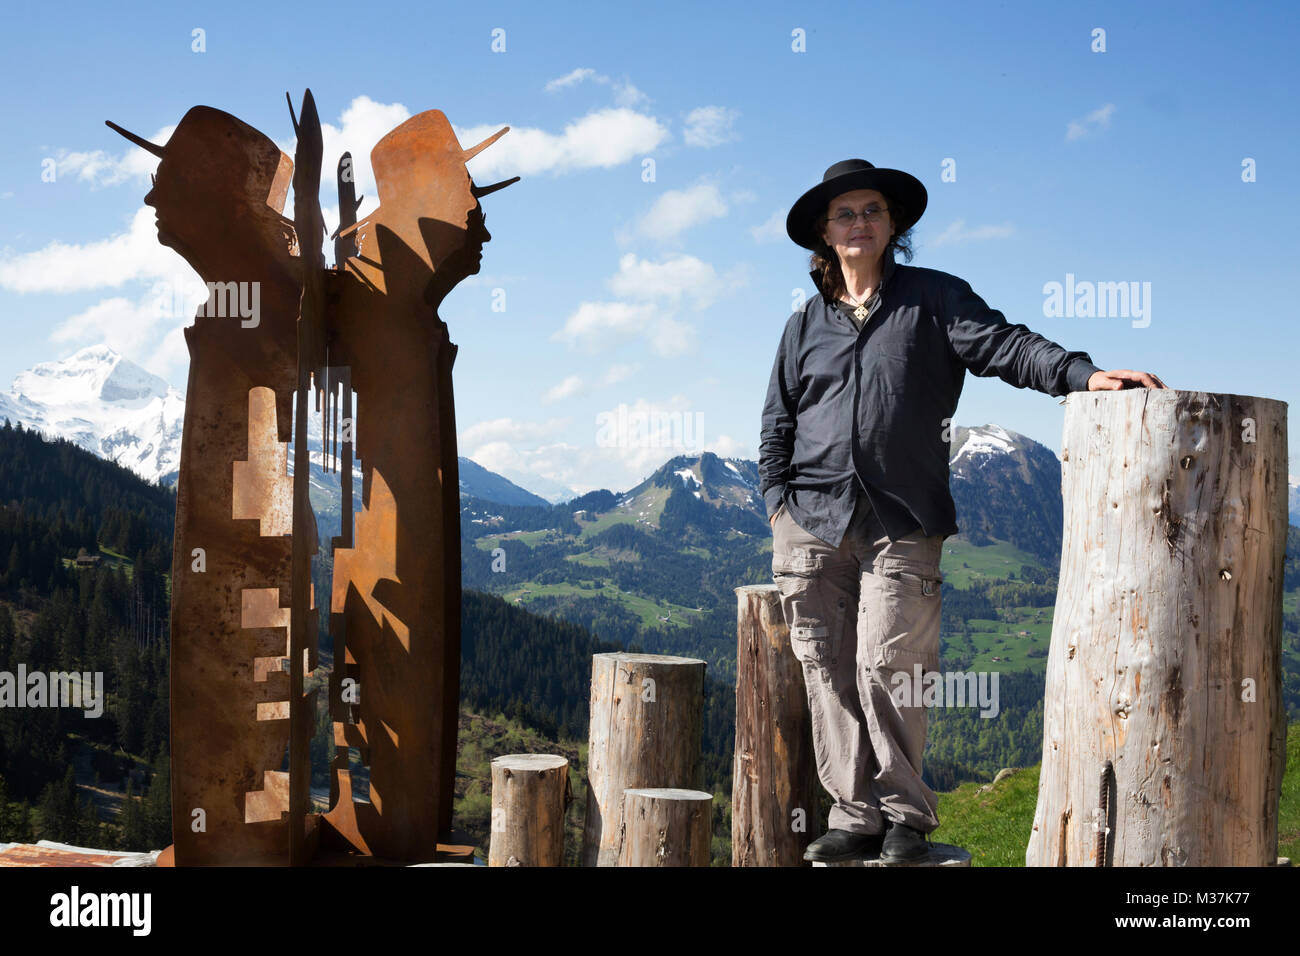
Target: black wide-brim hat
x,y
846,176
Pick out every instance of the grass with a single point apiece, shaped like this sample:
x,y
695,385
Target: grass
x,y
648,611
994,825
1288,814
988,562
651,501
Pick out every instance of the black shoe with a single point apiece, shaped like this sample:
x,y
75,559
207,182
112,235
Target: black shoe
x,y
903,844
839,845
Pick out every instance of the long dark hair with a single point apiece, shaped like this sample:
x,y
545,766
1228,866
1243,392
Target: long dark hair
x,y
825,261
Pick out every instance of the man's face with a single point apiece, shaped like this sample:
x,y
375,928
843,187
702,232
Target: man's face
x,y
857,241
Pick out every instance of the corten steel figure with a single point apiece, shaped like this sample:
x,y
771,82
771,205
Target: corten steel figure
x,y
371,325
397,589
218,192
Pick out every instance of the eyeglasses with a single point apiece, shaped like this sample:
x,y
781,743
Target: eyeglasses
x,y
847,217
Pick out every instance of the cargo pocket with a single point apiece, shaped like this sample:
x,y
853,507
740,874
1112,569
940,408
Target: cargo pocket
x,y
904,621
814,610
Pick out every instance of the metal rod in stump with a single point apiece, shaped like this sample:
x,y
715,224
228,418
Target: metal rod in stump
x,y
1164,733
773,791
647,717
665,827
530,793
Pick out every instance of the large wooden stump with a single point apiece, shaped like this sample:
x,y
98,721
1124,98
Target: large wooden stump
x,y
647,717
1164,731
530,793
665,826
773,792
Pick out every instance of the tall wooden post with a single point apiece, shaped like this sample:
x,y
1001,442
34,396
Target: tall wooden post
x,y
1164,732
647,718
773,791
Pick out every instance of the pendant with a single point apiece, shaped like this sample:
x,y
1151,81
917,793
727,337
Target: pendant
x,y
860,312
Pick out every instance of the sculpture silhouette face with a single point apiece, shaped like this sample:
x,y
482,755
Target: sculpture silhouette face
x,y
468,259
219,189
429,213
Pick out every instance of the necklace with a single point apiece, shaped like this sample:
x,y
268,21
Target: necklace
x,y
861,311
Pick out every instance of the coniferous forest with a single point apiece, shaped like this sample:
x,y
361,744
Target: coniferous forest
x,y
109,616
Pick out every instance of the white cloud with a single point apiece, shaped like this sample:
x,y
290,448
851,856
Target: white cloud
x,y
602,138
724,446
572,78
668,337
679,209
618,373
101,167
362,124
572,385
958,232
624,445
709,126
625,94
507,430
672,279
644,434
107,263
133,327
596,326
600,325
772,228
1097,119
171,355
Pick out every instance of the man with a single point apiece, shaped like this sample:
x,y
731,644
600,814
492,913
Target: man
x,y
853,467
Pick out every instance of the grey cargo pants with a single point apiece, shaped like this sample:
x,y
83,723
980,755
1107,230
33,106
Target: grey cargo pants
x,y
858,614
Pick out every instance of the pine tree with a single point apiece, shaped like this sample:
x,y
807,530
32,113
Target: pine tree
x,y
59,811
134,836
158,805
6,815
89,828
22,825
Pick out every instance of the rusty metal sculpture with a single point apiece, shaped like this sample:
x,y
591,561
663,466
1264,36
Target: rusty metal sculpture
x,y
243,622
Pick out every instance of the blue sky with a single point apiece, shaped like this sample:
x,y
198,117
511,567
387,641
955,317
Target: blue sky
x,y
1124,165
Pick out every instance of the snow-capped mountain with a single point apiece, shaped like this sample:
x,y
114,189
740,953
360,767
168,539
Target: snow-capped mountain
x,y
1006,486
107,405
718,481
113,408
1293,499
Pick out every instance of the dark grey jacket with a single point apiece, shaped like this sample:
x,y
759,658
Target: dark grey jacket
x,y
872,409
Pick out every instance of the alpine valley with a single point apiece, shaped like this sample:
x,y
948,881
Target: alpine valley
x,y
650,568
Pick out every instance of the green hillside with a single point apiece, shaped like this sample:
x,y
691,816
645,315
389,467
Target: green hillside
x,y
994,821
